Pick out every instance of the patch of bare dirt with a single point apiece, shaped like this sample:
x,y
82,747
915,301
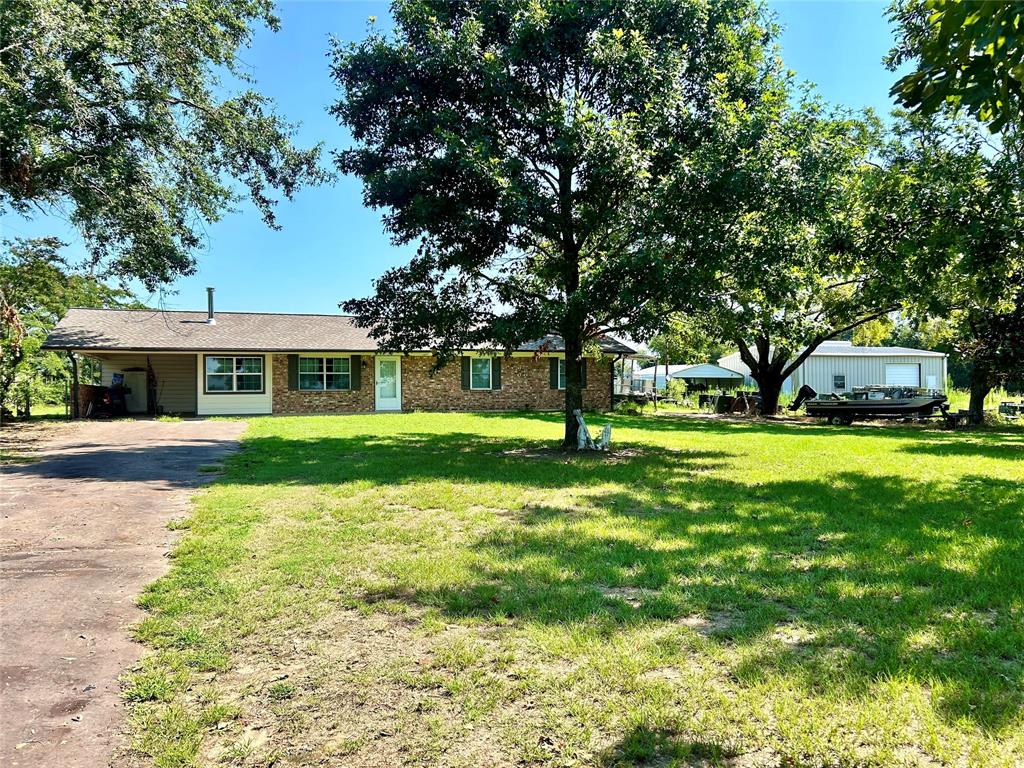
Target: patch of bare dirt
x,y
547,453
632,596
363,690
23,439
793,635
712,624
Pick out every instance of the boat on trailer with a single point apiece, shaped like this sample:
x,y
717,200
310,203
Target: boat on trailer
x,y
870,403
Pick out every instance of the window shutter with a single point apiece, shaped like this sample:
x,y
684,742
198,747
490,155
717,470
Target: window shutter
x,y
583,373
553,372
355,369
496,373
465,373
293,371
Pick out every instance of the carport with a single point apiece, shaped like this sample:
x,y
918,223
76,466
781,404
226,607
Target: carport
x,y
708,376
153,383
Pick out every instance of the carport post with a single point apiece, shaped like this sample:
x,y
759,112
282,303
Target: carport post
x,y
74,385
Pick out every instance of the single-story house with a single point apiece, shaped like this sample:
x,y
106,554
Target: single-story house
x,y
261,363
704,375
839,366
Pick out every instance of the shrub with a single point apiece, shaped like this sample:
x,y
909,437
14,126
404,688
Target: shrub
x,y
629,408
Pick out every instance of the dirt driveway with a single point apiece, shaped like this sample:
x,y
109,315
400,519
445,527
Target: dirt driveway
x,y
82,529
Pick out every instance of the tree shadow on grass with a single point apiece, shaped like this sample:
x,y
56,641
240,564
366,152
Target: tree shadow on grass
x,y
838,582
1007,449
456,456
735,425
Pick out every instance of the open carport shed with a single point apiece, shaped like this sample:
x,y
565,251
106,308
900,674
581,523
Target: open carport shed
x,y
710,376
698,375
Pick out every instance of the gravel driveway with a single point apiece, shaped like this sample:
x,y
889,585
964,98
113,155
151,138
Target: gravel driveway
x,y
83,528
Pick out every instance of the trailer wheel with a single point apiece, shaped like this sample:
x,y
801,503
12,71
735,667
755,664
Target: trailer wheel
x,y
832,420
846,421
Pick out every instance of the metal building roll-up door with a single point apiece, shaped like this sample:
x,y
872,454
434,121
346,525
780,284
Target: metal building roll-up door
x,y
903,375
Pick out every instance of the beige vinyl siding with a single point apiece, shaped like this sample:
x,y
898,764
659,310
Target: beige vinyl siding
x,y
866,370
175,377
234,403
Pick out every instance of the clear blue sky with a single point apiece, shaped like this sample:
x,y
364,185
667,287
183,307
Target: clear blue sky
x,y
330,247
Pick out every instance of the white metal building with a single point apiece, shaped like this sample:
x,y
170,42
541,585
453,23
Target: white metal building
x,y
839,366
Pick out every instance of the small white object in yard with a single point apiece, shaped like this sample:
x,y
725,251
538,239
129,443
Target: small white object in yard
x,y
585,442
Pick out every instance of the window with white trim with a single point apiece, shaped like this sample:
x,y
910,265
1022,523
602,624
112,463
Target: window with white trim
x,y
480,373
839,382
230,373
561,373
319,374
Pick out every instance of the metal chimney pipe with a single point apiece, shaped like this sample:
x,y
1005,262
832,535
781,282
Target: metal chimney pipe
x,y
209,307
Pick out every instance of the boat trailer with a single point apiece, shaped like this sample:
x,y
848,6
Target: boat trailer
x,y
870,403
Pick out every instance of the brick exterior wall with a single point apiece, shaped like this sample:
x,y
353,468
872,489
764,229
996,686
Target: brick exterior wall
x,y
524,386
298,401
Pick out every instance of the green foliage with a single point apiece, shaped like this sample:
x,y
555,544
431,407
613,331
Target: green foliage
x,y
115,116
942,213
37,287
788,276
968,55
280,691
538,151
872,333
630,408
676,389
681,339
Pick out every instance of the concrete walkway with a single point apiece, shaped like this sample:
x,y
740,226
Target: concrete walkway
x,y
82,529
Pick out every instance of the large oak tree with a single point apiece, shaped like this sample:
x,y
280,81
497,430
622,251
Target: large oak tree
x,y
530,147
134,120
788,275
942,213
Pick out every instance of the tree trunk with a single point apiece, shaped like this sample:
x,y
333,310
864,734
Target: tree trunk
x,y
573,388
979,391
770,385
5,386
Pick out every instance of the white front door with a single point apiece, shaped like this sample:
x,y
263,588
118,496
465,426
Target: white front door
x,y
135,391
388,383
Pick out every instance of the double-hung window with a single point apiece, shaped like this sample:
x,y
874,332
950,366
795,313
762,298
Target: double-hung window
x,y
561,373
318,374
230,373
839,382
480,373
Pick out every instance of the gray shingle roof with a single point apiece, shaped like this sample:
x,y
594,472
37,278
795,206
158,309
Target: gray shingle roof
x,y
149,330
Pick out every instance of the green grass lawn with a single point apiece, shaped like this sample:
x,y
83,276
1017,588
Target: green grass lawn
x,y
445,590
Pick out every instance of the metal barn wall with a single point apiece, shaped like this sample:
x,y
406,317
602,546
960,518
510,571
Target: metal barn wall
x,y
175,377
734,363
864,370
